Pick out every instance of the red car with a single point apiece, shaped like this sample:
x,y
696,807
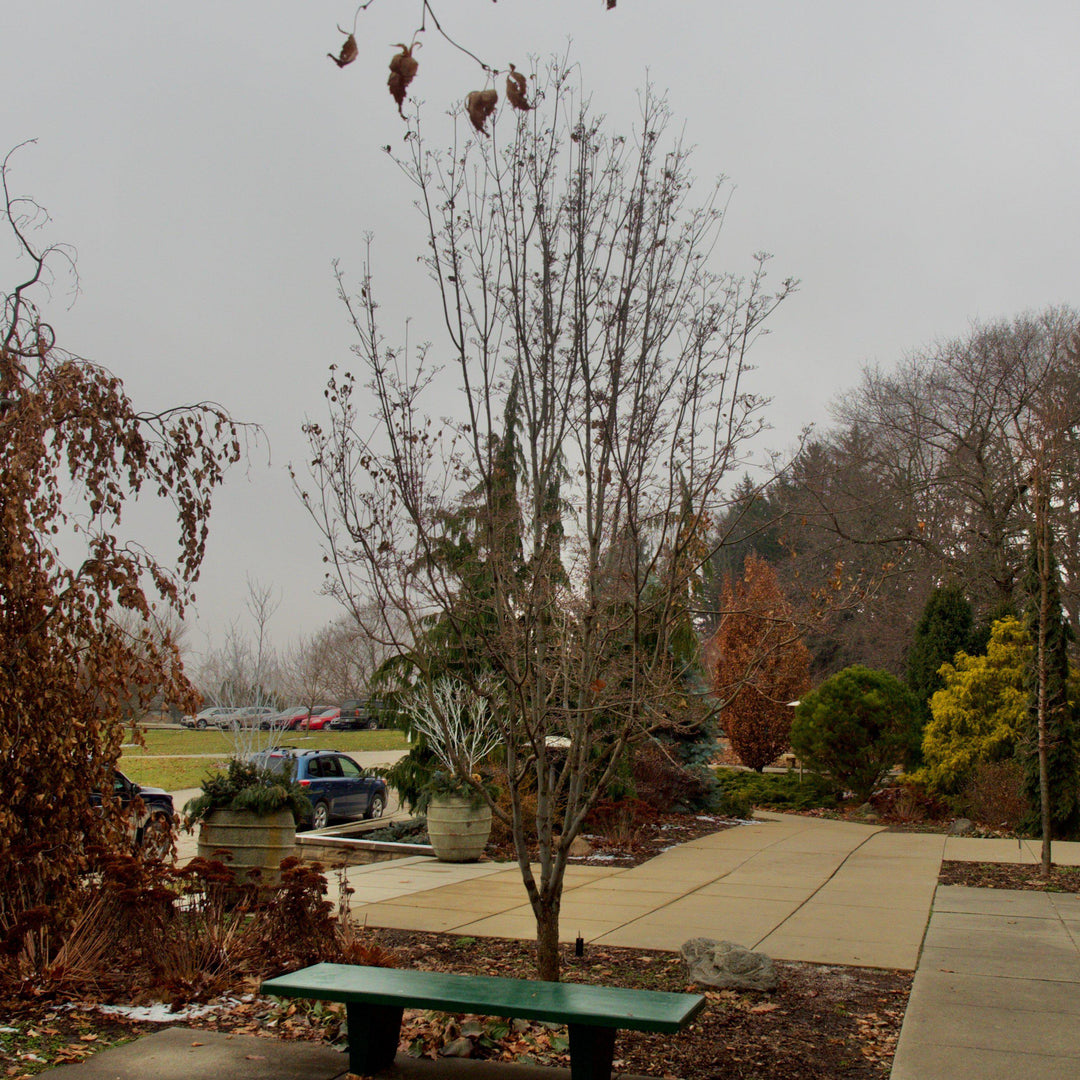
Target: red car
x,y
290,719
319,718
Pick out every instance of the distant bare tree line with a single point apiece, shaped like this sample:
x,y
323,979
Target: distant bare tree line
x,y
927,476
246,668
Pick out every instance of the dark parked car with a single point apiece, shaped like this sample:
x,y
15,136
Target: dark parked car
x,y
151,814
335,784
359,713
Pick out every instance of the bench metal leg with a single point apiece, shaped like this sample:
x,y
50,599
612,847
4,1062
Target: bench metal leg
x,y
592,1049
374,1031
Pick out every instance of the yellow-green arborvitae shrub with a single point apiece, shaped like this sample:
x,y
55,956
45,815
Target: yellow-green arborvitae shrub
x,y
980,713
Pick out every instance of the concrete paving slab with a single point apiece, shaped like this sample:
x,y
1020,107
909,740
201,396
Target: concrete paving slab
x,y
1067,905
933,1061
703,910
888,955
183,1053
403,917
910,899
999,1027
374,895
171,1055
949,927
726,889
1005,963
976,849
397,866
523,927
1063,852
646,934
511,890
1005,925
511,924
592,908
662,886
582,872
479,905
942,990
876,924
994,901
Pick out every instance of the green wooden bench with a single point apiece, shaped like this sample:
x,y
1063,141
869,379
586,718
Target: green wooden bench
x,y
375,998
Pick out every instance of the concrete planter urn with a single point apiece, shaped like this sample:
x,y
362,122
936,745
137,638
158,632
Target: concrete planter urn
x,y
457,828
255,842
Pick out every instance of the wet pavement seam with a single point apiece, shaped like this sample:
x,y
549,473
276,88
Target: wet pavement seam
x,y
806,900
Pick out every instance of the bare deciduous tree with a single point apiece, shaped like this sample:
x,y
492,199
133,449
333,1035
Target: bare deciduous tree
x,y
926,473
244,673
549,535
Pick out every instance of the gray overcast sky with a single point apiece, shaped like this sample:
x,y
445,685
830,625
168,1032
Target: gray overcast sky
x,y
917,166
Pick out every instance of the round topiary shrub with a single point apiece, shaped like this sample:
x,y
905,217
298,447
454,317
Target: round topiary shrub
x,y
854,727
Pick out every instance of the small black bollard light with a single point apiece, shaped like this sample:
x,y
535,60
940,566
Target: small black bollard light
x,y
579,946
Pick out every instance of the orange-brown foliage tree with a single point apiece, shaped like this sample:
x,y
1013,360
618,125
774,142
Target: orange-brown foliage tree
x,y
757,663
81,607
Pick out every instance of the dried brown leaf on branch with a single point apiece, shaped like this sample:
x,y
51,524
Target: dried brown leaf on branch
x,y
403,67
515,90
480,105
348,53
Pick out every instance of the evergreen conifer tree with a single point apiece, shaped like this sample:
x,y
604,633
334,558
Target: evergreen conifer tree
x,y
1063,752
946,627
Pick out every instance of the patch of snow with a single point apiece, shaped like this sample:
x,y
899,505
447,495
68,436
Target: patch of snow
x,y
161,1013
600,858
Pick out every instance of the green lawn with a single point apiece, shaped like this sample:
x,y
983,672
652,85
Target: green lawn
x,y
184,767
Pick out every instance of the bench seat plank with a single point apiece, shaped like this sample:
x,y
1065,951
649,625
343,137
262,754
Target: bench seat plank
x,y
566,1003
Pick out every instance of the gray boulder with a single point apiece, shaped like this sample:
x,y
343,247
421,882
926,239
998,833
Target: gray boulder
x,y
461,1047
728,966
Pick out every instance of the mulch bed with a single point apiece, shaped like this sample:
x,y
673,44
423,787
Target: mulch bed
x,y
822,1022
978,875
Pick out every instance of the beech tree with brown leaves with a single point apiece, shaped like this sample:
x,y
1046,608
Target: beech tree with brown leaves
x,y
757,663
479,104
81,608
550,528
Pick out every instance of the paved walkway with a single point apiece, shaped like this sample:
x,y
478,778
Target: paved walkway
x,y
800,888
997,992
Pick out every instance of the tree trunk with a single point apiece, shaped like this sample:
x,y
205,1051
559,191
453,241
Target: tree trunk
x,y
1042,549
547,940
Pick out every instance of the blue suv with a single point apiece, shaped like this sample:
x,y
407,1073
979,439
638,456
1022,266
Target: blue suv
x,y
335,784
